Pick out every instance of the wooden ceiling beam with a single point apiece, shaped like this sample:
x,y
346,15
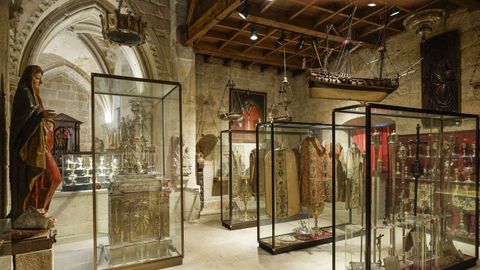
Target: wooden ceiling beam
x,y
219,11
247,42
260,40
365,20
321,21
191,8
280,48
234,35
305,7
269,20
210,49
266,5
355,19
399,18
233,26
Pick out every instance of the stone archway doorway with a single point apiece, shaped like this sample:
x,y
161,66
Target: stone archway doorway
x,y
66,41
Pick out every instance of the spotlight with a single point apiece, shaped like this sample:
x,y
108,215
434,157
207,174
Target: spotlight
x,y
394,11
372,4
244,12
253,33
301,43
281,39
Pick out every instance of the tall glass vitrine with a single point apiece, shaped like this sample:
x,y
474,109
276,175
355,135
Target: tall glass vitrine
x,y
294,185
238,207
412,189
137,125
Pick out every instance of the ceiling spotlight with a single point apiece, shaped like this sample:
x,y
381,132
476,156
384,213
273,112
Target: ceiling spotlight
x,y
301,43
372,4
394,11
281,39
253,33
244,12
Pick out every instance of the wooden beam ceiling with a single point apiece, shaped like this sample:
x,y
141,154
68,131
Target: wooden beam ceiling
x,y
216,29
302,27
210,49
209,19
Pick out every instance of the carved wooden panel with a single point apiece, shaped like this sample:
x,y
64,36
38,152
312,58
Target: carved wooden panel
x,y
441,73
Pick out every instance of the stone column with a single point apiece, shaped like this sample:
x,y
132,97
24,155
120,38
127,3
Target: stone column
x,y
184,70
4,92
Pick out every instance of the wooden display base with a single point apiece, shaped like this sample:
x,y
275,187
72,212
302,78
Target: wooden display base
x,y
266,245
239,224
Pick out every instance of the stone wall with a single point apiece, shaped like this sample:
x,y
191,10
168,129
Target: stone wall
x,y
64,95
211,77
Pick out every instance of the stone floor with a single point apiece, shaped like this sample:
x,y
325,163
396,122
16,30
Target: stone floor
x,y
208,245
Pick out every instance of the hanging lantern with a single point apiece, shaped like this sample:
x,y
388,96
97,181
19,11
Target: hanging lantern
x,y
278,111
223,113
123,28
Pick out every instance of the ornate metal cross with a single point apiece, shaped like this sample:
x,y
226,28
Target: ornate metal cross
x,y
416,167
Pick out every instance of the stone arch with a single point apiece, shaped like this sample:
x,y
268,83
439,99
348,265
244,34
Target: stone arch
x,y
70,71
37,24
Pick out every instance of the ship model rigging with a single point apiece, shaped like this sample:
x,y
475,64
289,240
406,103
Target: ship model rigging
x,y
337,82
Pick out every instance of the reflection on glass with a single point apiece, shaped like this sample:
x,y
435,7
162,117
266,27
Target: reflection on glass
x,y
421,175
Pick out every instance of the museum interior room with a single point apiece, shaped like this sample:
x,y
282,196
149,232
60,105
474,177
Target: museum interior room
x,y
239,134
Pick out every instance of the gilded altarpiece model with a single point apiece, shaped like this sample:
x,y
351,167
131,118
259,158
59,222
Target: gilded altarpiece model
x,y
140,222
294,184
415,193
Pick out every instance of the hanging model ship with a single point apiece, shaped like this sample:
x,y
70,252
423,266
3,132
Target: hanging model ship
x,y
338,82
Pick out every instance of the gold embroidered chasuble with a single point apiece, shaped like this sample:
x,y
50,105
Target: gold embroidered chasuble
x,y
354,183
287,191
314,161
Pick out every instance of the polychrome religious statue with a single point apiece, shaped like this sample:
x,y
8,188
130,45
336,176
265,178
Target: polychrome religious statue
x,y
34,175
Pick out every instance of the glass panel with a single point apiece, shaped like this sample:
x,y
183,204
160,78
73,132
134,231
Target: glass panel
x,y
298,186
173,151
423,186
265,218
350,179
238,201
139,216
225,176
243,200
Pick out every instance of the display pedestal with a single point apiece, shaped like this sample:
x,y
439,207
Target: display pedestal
x,y
139,220
33,254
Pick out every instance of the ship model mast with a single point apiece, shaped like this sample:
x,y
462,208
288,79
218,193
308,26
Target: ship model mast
x,y
339,84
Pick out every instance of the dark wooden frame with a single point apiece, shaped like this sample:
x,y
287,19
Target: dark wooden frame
x,y
236,100
441,75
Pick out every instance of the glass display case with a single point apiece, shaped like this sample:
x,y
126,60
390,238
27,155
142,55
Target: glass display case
x,y
294,185
138,141
411,189
77,170
237,148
